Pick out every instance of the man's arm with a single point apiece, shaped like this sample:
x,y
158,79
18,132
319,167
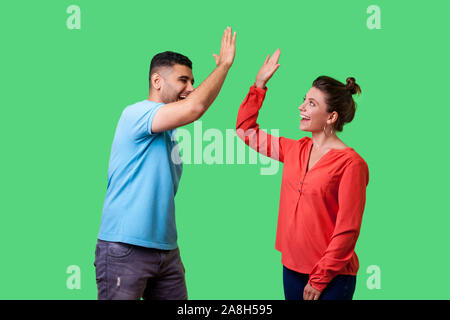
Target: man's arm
x,y
180,113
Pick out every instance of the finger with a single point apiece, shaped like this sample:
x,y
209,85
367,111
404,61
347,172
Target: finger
x,y
306,294
275,56
216,57
267,59
270,74
223,39
227,38
234,39
316,297
276,68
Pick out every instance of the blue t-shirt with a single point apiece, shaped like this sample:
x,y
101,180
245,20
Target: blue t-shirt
x,y
143,178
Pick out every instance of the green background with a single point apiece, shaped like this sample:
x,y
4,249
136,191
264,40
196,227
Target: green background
x,y
62,92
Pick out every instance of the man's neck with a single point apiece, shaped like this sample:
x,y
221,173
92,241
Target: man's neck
x,y
153,97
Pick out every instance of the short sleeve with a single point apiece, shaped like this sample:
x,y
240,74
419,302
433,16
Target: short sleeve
x,y
150,116
140,117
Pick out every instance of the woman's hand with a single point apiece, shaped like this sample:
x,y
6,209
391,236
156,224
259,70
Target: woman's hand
x,y
268,69
309,293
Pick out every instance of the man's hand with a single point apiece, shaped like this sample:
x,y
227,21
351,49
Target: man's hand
x,y
310,293
268,69
227,49
182,112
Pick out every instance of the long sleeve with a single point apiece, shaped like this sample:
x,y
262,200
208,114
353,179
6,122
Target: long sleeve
x,y
351,200
248,129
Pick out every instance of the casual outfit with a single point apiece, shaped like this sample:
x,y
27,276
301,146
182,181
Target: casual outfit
x,y
321,209
139,208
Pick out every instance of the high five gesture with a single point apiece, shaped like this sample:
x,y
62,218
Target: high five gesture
x,y
268,68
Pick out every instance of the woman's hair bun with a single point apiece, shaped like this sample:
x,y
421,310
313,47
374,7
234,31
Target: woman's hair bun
x,y
352,86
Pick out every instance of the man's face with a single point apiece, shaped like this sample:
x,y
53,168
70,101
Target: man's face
x,y
177,83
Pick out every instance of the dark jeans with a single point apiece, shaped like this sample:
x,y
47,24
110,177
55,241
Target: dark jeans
x,y
128,272
341,287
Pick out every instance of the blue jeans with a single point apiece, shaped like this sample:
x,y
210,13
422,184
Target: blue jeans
x,y
341,287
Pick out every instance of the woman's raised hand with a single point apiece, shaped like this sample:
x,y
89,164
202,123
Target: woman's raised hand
x,y
268,69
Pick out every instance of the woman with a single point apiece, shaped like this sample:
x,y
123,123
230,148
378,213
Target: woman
x,y
323,189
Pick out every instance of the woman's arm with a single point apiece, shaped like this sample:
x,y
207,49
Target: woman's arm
x,y
351,199
246,126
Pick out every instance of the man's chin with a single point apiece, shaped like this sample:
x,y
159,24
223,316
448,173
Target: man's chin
x,y
167,101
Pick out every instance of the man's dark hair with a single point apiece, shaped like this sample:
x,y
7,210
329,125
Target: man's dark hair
x,y
168,59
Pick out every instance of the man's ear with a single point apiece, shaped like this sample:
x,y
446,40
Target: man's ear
x,y
156,80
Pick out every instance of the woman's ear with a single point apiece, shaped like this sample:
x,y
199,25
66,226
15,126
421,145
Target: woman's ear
x,y
333,117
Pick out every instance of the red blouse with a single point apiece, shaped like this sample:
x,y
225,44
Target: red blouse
x,y
320,209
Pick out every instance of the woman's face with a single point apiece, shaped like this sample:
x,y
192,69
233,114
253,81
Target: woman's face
x,y
313,112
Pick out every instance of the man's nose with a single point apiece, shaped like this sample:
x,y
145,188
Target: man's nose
x,y
190,87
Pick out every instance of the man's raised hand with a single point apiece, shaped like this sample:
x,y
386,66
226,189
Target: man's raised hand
x,y
268,69
227,49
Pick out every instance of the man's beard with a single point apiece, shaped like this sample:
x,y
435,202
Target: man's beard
x,y
171,98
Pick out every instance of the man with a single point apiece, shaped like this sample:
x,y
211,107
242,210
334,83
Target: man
x,y
137,254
